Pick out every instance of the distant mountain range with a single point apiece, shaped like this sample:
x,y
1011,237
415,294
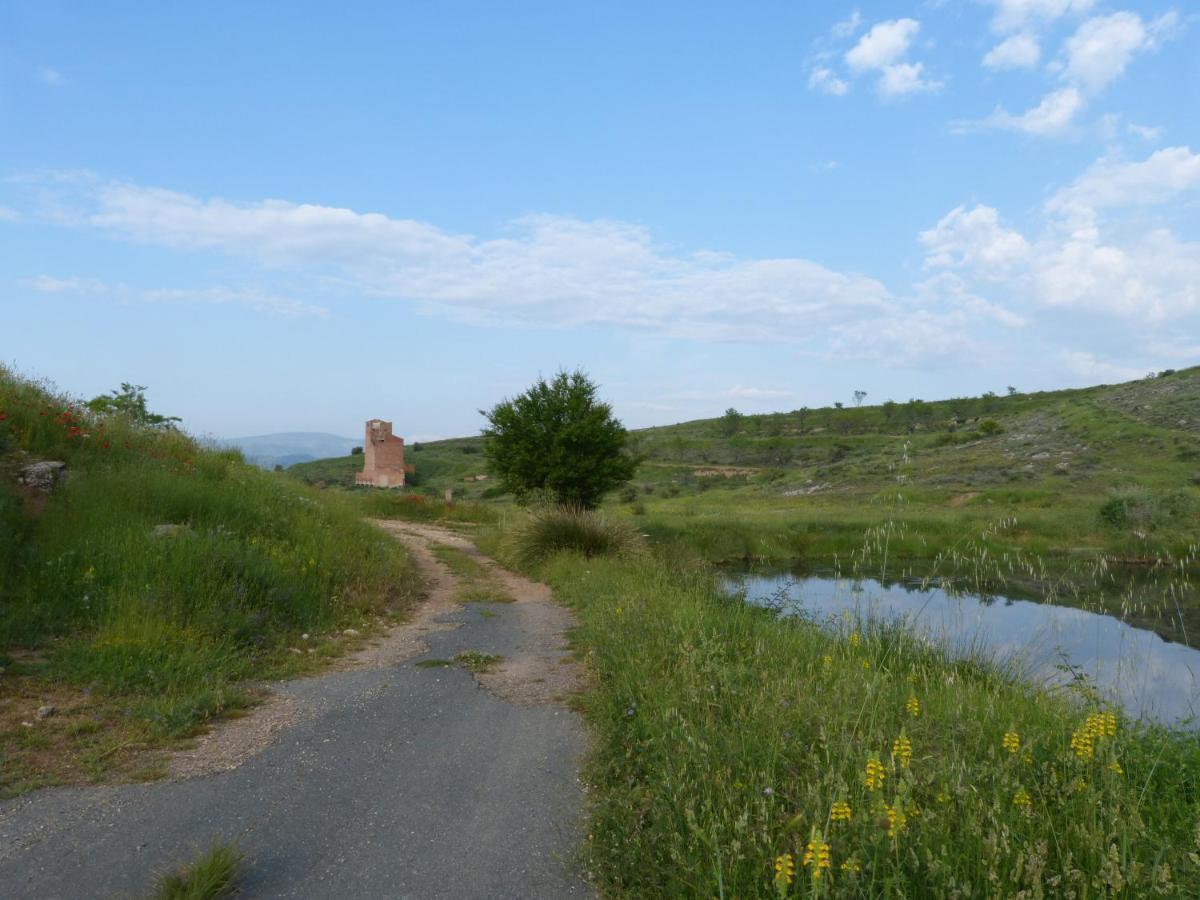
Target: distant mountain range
x,y
288,447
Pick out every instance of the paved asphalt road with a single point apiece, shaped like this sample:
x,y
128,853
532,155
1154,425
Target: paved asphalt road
x,y
398,781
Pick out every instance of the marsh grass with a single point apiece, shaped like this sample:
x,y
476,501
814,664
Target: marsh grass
x,y
163,575
546,530
212,874
729,738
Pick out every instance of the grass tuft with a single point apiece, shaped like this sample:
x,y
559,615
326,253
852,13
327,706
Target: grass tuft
x,y
552,529
211,875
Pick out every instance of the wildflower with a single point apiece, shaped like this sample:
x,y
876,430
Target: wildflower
x,y
785,870
1012,741
875,774
816,855
866,664
942,797
1115,768
1021,798
1083,743
851,865
854,639
896,820
902,751
913,705
840,812
827,660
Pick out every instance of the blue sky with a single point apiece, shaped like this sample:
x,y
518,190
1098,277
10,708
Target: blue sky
x,y
299,220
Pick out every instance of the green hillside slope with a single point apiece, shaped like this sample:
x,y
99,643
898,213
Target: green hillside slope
x,y
139,595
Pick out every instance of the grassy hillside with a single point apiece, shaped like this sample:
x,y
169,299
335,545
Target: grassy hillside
x,y
140,595
1107,470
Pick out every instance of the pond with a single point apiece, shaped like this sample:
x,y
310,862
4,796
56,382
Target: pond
x,y
1148,676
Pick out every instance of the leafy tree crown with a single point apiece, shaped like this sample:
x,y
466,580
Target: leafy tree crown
x,y
558,441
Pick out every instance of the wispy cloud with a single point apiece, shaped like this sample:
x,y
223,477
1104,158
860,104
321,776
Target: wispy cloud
x,y
51,77
883,49
257,300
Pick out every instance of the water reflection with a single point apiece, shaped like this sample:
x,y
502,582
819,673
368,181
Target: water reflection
x,y
1148,676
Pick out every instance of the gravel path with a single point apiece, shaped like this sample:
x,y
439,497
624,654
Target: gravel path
x,y
383,780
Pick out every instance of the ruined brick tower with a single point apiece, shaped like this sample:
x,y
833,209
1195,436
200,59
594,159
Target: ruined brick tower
x,y
383,456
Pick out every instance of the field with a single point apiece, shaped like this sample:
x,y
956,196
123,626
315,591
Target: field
x,y
147,593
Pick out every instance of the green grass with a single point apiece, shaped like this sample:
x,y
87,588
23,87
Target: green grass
x,y
547,530
476,584
165,623
725,737
474,661
211,875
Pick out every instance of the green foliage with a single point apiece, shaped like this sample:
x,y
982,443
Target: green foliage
x,y
419,508
130,401
210,876
730,423
725,737
557,441
548,530
990,427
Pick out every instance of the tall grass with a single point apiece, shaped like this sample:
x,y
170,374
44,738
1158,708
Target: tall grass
x,y
731,742
167,572
547,530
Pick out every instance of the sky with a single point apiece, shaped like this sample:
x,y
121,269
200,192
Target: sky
x,y
296,218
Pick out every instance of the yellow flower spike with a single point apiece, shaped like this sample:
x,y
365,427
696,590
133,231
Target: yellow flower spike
x,y
1083,742
896,820
816,855
785,869
827,660
855,640
866,664
902,751
913,705
1115,768
875,774
840,812
1011,741
1021,798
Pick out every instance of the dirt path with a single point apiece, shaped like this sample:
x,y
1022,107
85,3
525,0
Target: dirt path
x,y
393,776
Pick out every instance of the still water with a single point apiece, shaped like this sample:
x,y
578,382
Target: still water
x,y
1147,675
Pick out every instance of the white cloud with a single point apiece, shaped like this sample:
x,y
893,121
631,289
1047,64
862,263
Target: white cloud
x,y
905,78
1014,15
1053,116
1110,183
1145,132
1083,259
9,215
823,79
551,271
1102,48
51,77
848,26
1088,365
253,299
1020,51
754,393
973,239
883,45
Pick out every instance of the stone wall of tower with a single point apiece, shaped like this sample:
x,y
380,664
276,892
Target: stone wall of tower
x,y
383,456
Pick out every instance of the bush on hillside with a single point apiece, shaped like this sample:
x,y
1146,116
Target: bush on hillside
x,y
553,529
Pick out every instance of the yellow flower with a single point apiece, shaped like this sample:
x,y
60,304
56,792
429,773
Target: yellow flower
x,y
875,774
896,820
1021,798
827,660
785,869
1115,767
840,812
816,855
1012,741
866,664
902,751
854,639
943,797
851,865
913,705
1083,742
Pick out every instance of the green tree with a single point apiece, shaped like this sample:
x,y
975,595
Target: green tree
x,y
731,422
558,441
130,401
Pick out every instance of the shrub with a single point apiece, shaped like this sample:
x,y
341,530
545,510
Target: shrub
x,y
989,427
552,529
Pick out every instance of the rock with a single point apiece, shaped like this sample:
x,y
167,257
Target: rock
x,y
167,529
45,712
1062,469
295,650
43,476
304,637
351,632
